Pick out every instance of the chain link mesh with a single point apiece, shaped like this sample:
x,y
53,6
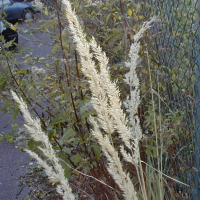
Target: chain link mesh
x,y
174,50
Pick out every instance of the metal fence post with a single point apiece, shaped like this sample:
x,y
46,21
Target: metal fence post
x,y
196,189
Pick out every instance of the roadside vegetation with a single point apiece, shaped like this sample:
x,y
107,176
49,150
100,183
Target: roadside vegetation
x,y
95,108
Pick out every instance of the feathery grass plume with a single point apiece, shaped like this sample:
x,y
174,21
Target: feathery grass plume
x,y
106,102
56,173
114,165
133,100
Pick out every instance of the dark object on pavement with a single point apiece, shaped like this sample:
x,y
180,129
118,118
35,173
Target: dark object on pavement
x,y
14,11
9,32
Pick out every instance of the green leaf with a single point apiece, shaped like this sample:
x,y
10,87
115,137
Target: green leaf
x,y
114,19
107,18
67,134
76,159
61,118
51,132
46,11
97,150
94,164
67,150
64,162
15,113
3,83
54,50
130,12
32,144
173,77
23,71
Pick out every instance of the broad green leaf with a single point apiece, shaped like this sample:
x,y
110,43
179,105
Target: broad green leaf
x,y
51,132
46,11
130,12
32,144
76,158
23,71
67,134
65,163
67,150
3,83
97,150
13,28
107,18
173,77
141,17
114,19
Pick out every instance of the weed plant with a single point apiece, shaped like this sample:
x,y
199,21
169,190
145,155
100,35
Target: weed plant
x,y
78,126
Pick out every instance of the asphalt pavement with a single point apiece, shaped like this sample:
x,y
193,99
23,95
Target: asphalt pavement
x,y
14,164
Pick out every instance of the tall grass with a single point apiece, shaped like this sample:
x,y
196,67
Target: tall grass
x,y
110,119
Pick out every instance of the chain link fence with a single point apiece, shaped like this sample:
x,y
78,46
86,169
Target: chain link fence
x,y
175,51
